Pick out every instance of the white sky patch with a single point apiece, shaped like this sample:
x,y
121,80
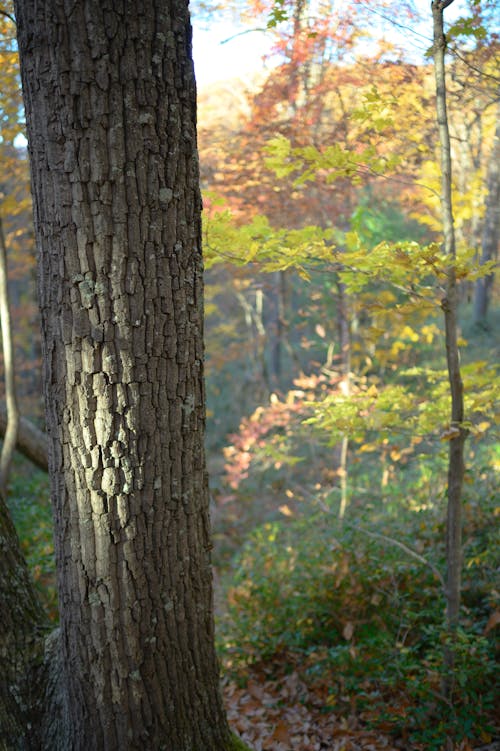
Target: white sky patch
x,y
20,141
227,51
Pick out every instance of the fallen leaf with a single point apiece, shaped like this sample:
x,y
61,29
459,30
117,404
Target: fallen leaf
x,y
281,733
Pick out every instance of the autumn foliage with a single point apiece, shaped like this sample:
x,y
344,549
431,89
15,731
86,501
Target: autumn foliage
x,y
327,385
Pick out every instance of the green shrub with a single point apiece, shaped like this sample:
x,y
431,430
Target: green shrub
x,y
303,583
369,616
30,506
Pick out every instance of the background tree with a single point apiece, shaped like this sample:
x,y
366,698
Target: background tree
x,y
458,432
491,229
12,427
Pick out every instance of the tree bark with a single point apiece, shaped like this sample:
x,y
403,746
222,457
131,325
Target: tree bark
x,y
12,427
450,305
344,327
276,327
22,627
110,103
491,229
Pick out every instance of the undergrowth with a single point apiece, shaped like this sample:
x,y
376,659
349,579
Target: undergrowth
x,y
30,506
365,617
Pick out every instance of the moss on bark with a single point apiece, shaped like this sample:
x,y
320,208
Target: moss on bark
x,y
237,744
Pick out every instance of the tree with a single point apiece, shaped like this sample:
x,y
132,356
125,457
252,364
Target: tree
x,y
450,310
12,428
491,229
109,95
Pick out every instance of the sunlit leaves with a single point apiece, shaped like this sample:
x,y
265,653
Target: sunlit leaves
x,y
401,285
417,270
333,161
470,27
376,110
259,243
278,14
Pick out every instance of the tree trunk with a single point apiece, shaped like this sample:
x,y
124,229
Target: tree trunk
x,y
110,103
276,327
22,620
12,427
22,626
344,327
450,305
491,229
31,441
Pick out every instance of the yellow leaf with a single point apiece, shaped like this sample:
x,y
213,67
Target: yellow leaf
x,y
483,426
449,434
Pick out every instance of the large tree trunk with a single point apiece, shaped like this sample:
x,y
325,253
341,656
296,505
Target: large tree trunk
x,y
110,104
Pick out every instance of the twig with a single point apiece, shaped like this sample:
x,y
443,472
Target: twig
x,y
7,15
406,549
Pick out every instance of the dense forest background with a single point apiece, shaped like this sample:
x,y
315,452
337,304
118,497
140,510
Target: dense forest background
x,y
328,400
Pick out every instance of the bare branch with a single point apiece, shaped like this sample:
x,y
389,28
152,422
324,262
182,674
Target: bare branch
x,y
7,15
406,549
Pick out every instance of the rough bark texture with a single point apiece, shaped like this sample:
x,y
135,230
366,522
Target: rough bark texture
x,y
110,102
450,307
22,626
491,229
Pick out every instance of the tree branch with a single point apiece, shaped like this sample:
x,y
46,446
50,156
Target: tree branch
x,y
7,15
31,441
407,550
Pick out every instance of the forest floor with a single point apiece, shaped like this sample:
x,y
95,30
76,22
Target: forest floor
x,y
285,715
275,706
282,713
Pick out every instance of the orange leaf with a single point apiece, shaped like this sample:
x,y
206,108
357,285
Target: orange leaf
x,y
493,621
280,733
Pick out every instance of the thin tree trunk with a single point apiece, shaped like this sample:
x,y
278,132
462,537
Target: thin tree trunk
x,y
276,326
31,441
10,437
491,229
345,364
449,305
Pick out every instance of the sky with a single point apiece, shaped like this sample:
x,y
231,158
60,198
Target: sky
x,y
222,51
227,50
